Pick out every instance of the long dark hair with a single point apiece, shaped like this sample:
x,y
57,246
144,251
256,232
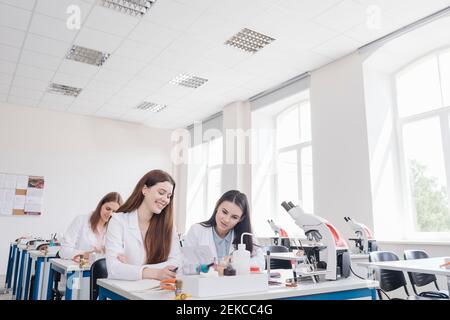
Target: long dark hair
x,y
158,238
95,216
239,199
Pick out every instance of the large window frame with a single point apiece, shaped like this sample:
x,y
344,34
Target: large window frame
x,y
299,147
443,114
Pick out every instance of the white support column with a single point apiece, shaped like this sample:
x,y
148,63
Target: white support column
x,y
236,170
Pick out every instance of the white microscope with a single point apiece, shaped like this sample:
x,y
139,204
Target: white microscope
x,y
364,241
335,258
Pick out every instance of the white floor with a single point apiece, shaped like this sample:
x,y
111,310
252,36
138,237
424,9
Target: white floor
x,y
2,285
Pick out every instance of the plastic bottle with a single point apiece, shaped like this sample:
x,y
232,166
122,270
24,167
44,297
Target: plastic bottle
x,y
241,260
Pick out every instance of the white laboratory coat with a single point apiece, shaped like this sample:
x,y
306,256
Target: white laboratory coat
x,y
124,238
199,235
79,238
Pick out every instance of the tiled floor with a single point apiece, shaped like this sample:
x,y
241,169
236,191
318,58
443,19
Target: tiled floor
x,y
2,284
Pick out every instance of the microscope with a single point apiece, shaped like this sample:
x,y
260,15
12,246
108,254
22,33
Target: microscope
x,y
333,256
364,241
281,237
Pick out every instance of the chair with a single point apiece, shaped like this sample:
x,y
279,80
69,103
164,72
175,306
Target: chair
x,y
389,279
56,293
276,263
422,279
98,271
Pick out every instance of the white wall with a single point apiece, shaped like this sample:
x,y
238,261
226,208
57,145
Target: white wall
x,y
82,158
342,185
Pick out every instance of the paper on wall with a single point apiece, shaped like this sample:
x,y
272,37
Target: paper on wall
x,y
22,182
32,207
10,181
19,202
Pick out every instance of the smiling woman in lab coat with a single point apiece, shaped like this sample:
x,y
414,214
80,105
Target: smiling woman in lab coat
x,y
222,232
141,242
86,234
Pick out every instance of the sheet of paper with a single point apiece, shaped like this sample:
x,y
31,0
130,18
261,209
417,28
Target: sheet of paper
x,y
34,192
2,180
19,202
22,182
31,207
10,181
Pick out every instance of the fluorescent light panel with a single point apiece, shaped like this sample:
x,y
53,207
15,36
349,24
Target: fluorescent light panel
x,y
86,55
135,8
188,80
151,106
249,40
63,89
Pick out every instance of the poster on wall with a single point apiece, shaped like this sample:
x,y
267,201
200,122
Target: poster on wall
x,y
21,195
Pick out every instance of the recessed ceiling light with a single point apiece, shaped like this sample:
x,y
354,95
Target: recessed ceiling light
x,y
64,90
135,8
151,106
188,80
249,40
86,55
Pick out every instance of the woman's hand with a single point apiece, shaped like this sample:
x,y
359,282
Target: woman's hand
x,y
78,257
122,258
159,274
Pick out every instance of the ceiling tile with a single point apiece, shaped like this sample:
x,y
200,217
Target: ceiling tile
x,y
9,53
46,45
24,4
343,16
60,9
39,60
34,73
103,87
337,47
94,96
153,34
5,79
26,93
78,69
83,104
11,37
52,28
3,97
307,9
70,80
7,67
110,21
4,88
98,40
137,51
19,100
104,113
29,83
173,14
57,100
14,17
111,77
124,65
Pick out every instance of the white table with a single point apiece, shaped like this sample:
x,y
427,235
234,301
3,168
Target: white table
x,y
77,279
429,265
350,288
39,260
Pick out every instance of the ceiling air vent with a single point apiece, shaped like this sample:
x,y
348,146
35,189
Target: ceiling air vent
x,y
86,55
187,80
249,40
151,106
64,90
135,8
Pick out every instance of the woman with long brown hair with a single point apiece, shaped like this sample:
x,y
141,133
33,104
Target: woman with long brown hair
x,y
141,242
86,234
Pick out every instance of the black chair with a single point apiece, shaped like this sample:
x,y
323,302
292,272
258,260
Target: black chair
x,y
277,263
98,271
422,279
56,293
389,279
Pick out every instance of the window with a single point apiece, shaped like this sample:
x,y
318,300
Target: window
x,y
204,180
423,102
294,162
